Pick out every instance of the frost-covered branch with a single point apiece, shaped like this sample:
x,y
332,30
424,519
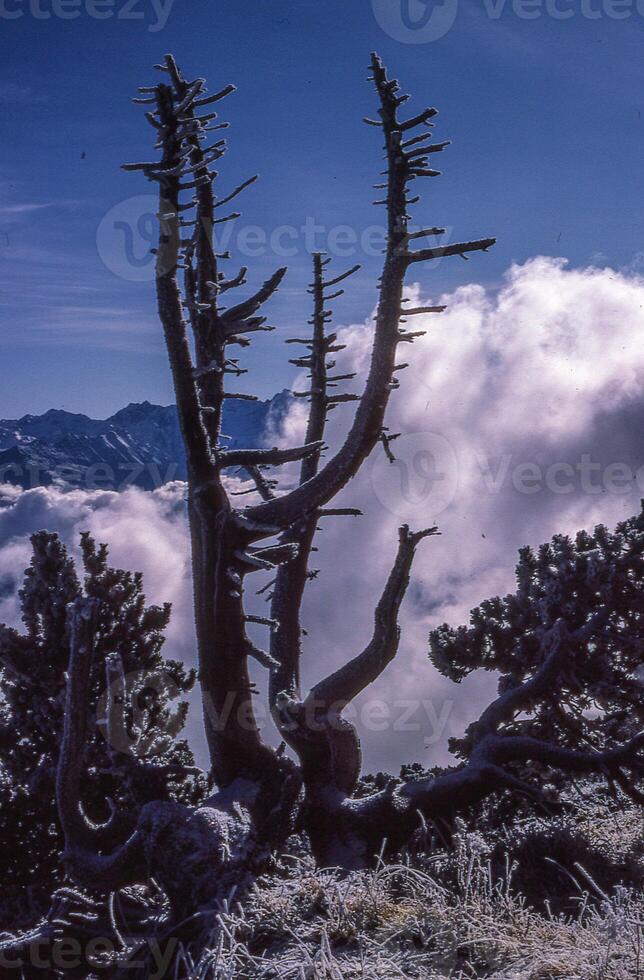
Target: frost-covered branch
x,y
369,419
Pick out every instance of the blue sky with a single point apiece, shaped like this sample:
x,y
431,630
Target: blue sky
x,y
546,115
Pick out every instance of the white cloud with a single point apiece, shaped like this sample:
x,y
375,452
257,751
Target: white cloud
x,y
521,415
145,532
517,410
29,207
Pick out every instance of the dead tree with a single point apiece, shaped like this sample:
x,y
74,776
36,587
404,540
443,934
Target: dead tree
x,y
198,855
229,544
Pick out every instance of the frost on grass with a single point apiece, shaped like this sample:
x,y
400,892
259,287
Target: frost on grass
x,y
441,917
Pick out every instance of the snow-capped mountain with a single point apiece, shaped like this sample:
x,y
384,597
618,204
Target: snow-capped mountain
x,y
140,445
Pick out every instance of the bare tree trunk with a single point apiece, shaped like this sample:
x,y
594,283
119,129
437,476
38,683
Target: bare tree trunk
x,y
223,540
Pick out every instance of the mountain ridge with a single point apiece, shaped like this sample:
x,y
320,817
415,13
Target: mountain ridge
x,y
139,445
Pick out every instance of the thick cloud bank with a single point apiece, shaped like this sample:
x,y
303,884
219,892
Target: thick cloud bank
x,y
145,531
521,412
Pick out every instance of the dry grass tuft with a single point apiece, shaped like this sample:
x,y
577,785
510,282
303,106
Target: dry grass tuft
x,y
401,921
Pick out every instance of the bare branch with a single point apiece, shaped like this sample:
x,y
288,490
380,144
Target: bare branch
x,y
340,512
238,190
126,865
367,425
341,278
222,537
234,317
368,422
82,619
421,119
267,457
521,748
337,690
444,250
264,487
558,645
425,233
417,310
211,99
225,284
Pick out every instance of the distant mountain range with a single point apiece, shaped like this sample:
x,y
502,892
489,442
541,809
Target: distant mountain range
x,y
140,445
